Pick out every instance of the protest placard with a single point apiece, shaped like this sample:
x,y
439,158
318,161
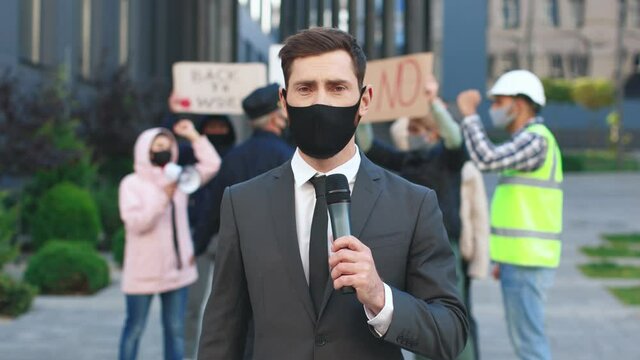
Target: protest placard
x,y
215,88
398,87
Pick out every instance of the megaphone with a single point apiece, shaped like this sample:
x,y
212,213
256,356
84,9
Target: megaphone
x,y
187,177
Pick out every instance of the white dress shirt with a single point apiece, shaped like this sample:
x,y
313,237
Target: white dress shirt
x,y
305,198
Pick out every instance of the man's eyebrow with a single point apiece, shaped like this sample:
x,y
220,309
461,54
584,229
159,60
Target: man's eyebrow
x,y
334,82
304,82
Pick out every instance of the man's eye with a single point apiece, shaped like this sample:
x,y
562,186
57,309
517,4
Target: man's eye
x,y
303,89
340,88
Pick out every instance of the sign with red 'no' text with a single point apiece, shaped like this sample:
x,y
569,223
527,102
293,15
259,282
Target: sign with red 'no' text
x,y
398,87
215,88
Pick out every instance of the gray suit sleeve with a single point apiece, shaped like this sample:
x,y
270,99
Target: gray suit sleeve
x,y
224,326
429,318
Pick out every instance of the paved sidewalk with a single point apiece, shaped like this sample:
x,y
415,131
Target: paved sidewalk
x,y
585,321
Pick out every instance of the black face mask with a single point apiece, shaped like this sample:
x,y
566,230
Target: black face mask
x,y
160,158
321,131
222,143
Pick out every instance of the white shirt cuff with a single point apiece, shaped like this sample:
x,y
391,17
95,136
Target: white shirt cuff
x,y
382,321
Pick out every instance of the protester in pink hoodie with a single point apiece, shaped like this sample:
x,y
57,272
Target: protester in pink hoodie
x,y
158,256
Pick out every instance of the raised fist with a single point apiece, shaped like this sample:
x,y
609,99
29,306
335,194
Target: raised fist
x,y
185,129
468,102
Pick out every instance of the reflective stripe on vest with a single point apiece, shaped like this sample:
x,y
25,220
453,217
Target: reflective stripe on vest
x,y
526,211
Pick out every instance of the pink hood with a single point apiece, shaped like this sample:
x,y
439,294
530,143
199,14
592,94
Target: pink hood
x,y
142,155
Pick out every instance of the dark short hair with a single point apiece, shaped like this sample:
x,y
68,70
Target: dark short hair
x,y
318,41
535,107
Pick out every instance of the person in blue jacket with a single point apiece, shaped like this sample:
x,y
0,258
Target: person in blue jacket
x,y
264,150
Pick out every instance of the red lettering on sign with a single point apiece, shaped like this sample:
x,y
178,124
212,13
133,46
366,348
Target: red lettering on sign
x,y
385,86
392,94
399,79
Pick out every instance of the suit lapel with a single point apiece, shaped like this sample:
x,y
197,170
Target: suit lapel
x,y
282,202
366,191
365,194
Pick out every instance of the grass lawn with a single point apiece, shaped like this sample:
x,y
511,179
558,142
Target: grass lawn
x,y
597,160
633,238
615,250
627,295
610,270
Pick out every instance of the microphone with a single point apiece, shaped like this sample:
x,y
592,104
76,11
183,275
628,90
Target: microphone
x,y
339,204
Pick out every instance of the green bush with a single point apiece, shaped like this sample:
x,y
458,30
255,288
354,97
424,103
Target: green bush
x,y
66,212
66,267
572,163
558,90
597,161
80,172
117,247
7,229
114,169
593,94
15,297
106,197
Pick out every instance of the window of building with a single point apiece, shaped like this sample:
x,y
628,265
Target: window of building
x,y
378,36
511,13
556,70
265,17
85,39
327,13
578,65
491,64
633,13
275,14
265,13
313,12
553,13
343,16
399,32
123,33
511,61
30,30
578,10
255,7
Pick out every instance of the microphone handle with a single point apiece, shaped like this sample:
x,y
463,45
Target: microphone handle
x,y
341,226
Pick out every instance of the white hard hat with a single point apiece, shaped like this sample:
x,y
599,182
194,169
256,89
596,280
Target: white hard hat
x,y
519,82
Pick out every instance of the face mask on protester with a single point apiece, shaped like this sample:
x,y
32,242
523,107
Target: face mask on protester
x,y
502,117
222,142
160,158
321,131
418,142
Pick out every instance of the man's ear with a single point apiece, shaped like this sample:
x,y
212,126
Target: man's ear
x,y
365,101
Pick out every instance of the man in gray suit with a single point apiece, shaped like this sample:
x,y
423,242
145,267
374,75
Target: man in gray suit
x,y
278,263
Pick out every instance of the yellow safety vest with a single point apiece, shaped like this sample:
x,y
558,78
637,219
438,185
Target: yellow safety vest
x,y
526,211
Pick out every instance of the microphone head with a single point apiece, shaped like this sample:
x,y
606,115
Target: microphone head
x,y
337,187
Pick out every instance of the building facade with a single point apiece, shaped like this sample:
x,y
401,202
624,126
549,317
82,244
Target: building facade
x,y
91,37
570,39
562,38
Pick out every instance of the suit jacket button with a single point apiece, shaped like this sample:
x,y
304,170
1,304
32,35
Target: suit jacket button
x,y
321,340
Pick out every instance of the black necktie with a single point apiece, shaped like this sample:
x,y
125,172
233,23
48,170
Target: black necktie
x,y
318,257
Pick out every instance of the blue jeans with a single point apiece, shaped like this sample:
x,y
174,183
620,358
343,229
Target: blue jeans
x,y
524,291
173,308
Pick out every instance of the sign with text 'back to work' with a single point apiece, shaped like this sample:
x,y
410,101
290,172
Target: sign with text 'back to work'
x,y
216,88
398,87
